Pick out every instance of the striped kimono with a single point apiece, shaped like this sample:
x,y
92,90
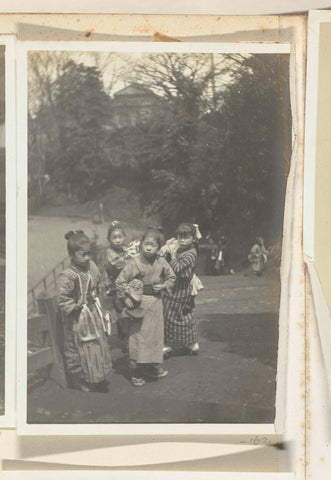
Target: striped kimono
x,y
115,261
180,328
86,349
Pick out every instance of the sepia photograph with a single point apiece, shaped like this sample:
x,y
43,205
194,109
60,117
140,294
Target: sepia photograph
x,y
156,182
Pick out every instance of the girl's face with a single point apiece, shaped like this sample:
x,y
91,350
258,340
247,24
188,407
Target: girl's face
x,y
116,238
82,256
149,247
185,240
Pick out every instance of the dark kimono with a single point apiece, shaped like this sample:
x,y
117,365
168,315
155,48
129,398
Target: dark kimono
x,y
115,261
180,326
86,349
146,335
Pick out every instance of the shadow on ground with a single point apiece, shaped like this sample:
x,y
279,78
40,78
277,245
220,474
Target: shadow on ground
x,y
248,335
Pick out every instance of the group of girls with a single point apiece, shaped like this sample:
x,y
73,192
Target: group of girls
x,y
151,290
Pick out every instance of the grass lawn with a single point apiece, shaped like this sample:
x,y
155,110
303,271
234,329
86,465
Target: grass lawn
x,y
48,224
47,246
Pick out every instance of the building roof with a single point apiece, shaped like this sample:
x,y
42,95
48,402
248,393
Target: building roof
x,y
135,89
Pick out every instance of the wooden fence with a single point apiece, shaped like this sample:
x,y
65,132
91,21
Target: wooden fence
x,y
44,342
46,284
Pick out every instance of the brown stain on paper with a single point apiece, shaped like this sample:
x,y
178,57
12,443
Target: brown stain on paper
x,y
308,414
88,33
160,37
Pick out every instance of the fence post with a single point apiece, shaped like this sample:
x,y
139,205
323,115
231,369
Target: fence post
x,y
47,305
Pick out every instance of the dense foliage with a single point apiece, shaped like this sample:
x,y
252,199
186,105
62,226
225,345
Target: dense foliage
x,y
67,132
216,152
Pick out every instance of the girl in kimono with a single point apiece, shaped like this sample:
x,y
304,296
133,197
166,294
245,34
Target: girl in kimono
x,y
146,334
180,326
86,350
115,260
258,256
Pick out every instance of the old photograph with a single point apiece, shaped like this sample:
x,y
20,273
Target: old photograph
x,y
155,199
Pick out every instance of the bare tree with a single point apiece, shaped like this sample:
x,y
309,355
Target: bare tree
x,y
203,76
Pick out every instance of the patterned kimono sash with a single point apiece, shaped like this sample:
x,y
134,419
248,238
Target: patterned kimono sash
x,y
86,328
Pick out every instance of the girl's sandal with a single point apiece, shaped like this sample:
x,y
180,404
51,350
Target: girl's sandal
x,y
137,382
84,387
157,373
167,351
194,350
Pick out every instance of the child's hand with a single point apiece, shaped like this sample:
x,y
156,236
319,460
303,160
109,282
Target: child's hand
x,y
173,249
164,250
158,287
173,254
128,303
79,305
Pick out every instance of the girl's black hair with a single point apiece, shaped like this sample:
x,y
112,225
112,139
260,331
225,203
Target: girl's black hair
x,y
156,232
115,225
186,229
259,240
76,240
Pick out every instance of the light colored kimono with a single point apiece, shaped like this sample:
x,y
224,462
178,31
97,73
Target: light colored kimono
x,y
146,334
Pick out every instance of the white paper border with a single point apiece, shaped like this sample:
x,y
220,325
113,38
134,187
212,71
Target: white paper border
x,y
139,475
23,427
315,19
321,308
8,419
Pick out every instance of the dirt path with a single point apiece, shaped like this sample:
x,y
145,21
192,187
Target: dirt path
x,y
231,381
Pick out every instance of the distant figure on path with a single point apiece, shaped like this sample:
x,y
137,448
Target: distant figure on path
x,y
221,264
258,256
211,248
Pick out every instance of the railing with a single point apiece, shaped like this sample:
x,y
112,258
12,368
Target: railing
x,y
44,350
46,284
45,330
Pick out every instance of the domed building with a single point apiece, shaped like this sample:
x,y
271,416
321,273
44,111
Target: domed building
x,y
133,104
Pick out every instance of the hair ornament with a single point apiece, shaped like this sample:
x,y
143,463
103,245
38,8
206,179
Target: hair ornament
x,y
69,234
197,231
